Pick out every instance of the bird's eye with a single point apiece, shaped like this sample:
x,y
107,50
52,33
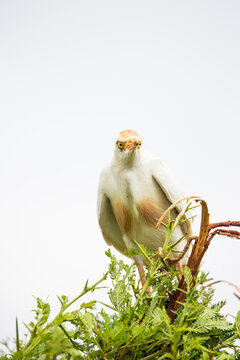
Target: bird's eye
x,y
139,144
120,145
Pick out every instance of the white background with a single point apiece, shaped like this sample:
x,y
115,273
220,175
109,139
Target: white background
x,y
74,74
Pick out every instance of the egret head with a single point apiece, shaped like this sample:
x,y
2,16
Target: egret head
x,y
127,145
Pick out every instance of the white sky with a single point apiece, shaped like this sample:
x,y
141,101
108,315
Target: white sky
x,y
75,73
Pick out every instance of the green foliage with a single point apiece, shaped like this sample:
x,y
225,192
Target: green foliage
x,y
134,324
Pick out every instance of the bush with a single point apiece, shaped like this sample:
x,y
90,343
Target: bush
x,y
177,320
135,324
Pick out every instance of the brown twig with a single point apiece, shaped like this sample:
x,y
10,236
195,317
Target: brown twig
x,y
196,198
224,223
211,356
222,281
179,296
230,233
186,247
236,295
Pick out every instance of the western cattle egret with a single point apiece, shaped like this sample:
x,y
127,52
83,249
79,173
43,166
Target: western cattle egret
x,y
134,191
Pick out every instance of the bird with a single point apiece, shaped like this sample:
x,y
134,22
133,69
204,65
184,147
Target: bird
x,y
134,191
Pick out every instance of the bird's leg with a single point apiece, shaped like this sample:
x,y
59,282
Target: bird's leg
x,y
138,260
179,267
141,274
143,277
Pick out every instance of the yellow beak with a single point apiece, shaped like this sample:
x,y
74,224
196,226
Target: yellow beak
x,y
131,144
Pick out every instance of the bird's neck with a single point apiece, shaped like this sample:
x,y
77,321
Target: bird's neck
x,y
126,159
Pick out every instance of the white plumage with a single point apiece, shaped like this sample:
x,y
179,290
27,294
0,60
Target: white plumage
x,y
134,191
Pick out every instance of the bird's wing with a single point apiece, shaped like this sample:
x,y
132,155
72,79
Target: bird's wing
x,y
165,180
106,218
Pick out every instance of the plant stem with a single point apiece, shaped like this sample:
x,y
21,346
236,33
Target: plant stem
x,y
69,337
35,340
85,290
17,336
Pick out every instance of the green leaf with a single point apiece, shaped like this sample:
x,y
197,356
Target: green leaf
x,y
188,278
88,305
237,323
209,322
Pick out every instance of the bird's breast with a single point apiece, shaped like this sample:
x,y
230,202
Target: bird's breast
x,y
131,216
149,210
124,217
136,201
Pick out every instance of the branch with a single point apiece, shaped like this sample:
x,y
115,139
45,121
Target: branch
x,y
194,259
223,281
230,233
186,247
237,296
224,223
179,295
199,249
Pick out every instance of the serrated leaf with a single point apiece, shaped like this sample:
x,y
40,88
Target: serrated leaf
x,y
237,323
188,278
208,321
88,305
153,303
119,296
160,318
